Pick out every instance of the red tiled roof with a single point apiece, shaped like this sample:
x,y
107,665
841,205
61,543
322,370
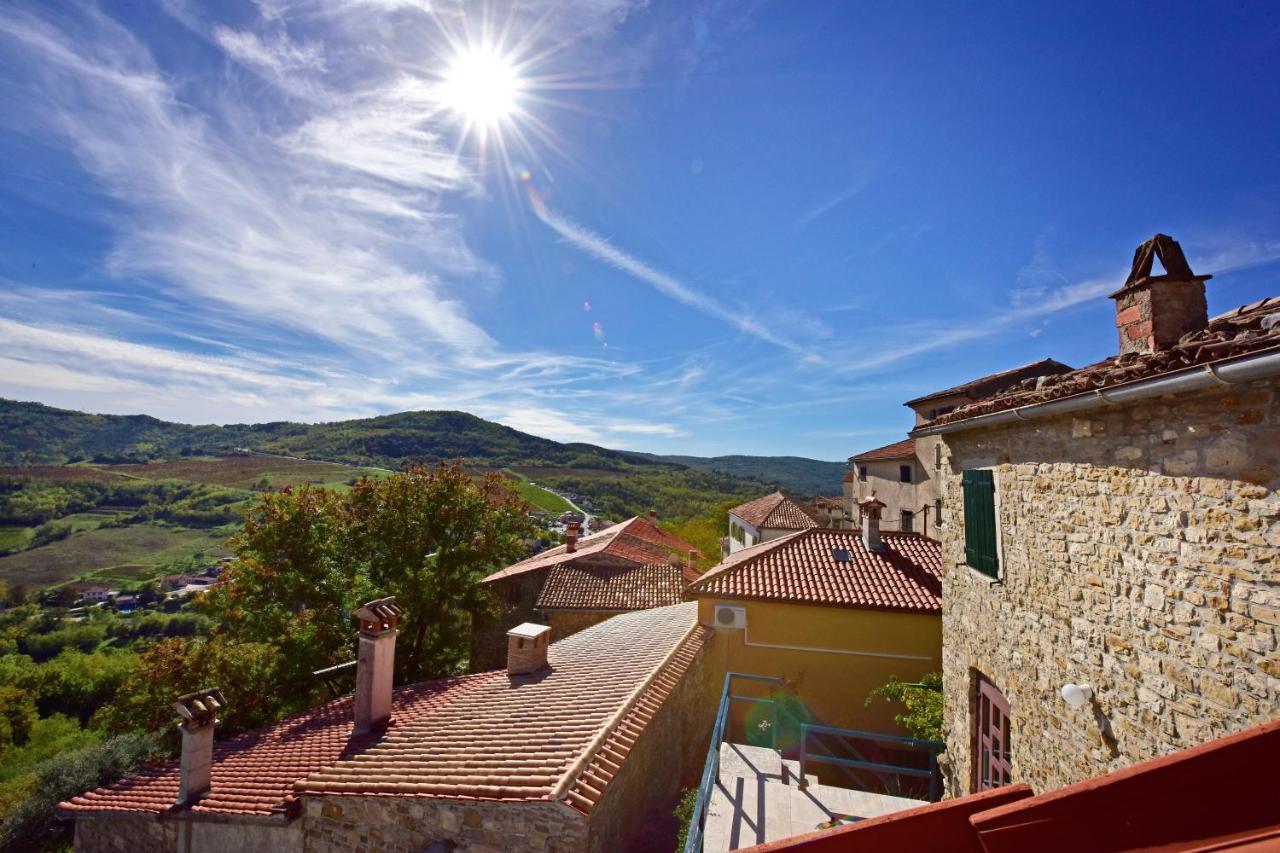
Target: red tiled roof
x,y
1220,795
802,568
996,382
517,738
484,736
606,762
775,511
582,586
905,449
635,539
1237,333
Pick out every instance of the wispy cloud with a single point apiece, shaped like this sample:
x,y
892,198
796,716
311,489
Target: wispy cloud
x,y
850,192
602,249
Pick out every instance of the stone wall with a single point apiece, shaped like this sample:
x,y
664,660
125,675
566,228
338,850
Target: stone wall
x,y
412,824
1140,554
635,812
125,834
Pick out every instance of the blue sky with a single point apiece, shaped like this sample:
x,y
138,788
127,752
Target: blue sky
x,y
708,227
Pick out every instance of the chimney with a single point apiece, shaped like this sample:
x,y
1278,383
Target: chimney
x,y
571,537
871,508
527,648
199,713
375,664
1154,311
653,516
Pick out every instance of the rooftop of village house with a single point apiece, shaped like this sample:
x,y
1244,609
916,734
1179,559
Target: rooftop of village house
x,y
638,540
488,736
833,567
775,511
898,450
582,586
986,385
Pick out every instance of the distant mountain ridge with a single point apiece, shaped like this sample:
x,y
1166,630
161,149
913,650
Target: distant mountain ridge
x,y
36,434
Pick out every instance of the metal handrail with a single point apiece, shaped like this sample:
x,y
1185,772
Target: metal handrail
x,y
711,769
932,747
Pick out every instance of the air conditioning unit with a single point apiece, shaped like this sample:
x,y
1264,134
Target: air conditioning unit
x,y
731,616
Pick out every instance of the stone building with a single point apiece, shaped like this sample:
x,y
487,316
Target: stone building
x,y
766,518
613,553
580,745
579,595
1111,570
905,475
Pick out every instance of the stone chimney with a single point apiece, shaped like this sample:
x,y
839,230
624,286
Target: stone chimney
x,y
375,664
653,516
871,508
571,537
199,714
1154,311
527,648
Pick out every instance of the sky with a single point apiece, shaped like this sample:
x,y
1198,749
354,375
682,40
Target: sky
x,y
681,227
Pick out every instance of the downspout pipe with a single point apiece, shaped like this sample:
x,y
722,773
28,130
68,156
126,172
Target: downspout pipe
x,y
1264,365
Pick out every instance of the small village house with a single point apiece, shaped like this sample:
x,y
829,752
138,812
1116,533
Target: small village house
x,y
1111,567
764,519
577,745
829,511
834,612
619,568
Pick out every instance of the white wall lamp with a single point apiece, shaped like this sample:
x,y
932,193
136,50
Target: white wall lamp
x,y
1076,695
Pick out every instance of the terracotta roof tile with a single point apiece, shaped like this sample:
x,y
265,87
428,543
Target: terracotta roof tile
x,y
803,568
776,511
1247,330
484,736
995,382
905,449
579,586
635,539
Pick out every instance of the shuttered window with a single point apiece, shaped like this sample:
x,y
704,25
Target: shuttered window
x,y
980,521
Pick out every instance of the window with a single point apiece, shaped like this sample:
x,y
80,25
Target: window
x,y
937,456
840,555
908,520
992,760
937,511
862,473
904,473
980,521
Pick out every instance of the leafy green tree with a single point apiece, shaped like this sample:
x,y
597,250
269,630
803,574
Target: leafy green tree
x,y
17,715
923,703
429,536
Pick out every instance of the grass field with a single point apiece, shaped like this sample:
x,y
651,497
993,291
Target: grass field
x,y
535,473
12,537
246,472
126,552
539,497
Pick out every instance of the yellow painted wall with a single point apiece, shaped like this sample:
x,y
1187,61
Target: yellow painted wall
x,y
832,686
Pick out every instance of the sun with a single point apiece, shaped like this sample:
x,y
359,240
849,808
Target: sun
x,y
483,86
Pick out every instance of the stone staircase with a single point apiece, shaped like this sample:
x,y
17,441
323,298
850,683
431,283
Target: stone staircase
x,y
757,798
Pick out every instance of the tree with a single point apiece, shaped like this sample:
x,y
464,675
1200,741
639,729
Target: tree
x,y
429,536
923,703
17,715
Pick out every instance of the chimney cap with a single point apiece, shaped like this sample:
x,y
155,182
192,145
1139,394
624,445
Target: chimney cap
x,y
529,630
1164,248
379,614
200,708
870,501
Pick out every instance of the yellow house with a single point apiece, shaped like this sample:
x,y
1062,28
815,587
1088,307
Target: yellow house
x,y
833,614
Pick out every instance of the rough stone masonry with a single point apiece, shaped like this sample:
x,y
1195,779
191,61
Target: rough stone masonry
x,y
1140,555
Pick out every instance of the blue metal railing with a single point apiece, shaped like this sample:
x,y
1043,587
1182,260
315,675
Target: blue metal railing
x,y
711,770
881,770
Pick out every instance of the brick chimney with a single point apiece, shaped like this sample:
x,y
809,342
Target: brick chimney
x,y
871,508
1154,311
527,648
375,664
571,537
653,516
199,714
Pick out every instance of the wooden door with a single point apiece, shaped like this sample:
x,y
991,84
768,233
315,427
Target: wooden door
x,y
992,760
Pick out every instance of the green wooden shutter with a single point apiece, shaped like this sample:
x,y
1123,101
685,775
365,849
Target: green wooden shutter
x,y
980,521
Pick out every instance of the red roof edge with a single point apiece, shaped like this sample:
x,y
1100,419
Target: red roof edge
x,y
936,828
1219,790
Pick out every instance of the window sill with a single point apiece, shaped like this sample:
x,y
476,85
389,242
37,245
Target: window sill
x,y
980,574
